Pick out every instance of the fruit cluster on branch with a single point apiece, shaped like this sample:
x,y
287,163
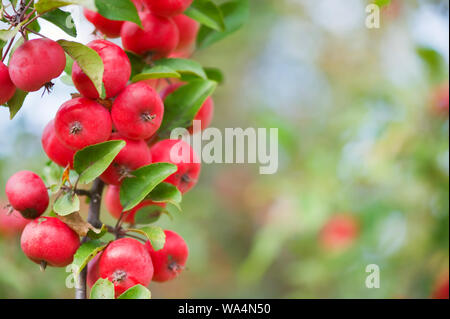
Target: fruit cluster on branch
x,y
112,132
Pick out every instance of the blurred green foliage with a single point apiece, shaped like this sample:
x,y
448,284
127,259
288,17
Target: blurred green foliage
x,y
358,134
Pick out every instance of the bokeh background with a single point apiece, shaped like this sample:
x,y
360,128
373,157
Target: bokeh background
x,y
363,132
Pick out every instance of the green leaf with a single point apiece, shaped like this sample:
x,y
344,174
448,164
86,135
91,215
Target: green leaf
x,y
121,10
155,234
61,19
235,13
46,5
92,161
171,68
183,67
165,193
85,253
207,13
6,35
148,214
382,3
181,106
145,179
137,64
136,292
156,72
94,235
434,62
69,65
16,102
102,289
67,204
88,60
215,74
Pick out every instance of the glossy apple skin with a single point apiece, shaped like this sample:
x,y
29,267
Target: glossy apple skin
x,y
188,29
50,240
36,63
81,122
27,193
54,148
125,262
168,8
158,39
138,111
115,208
205,114
187,162
110,28
11,224
134,155
169,261
7,87
117,71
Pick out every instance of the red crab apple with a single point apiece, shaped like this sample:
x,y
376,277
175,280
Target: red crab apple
x,y
440,290
140,5
134,155
158,39
116,74
168,8
35,63
125,262
169,261
27,193
48,240
138,111
188,29
81,122
339,232
440,99
11,222
183,156
54,149
110,28
7,88
204,115
115,208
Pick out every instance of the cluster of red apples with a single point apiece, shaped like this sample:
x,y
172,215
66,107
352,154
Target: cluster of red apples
x,y
130,112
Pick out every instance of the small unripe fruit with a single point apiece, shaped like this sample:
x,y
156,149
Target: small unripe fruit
x,y
49,240
35,63
27,193
169,261
168,8
138,111
110,28
158,38
117,71
54,149
11,223
135,154
115,208
183,156
81,122
339,232
204,114
188,30
7,88
126,263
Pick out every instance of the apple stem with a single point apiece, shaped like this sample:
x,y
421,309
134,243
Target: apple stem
x,y
94,219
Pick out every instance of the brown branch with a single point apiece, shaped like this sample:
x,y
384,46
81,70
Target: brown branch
x,y
94,219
